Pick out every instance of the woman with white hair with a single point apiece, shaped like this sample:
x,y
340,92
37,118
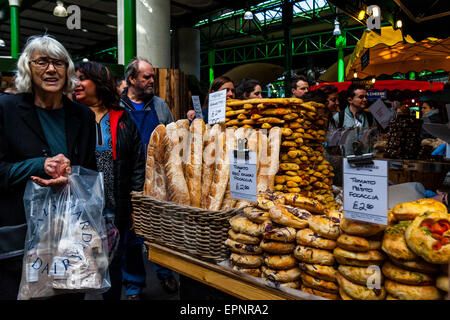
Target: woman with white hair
x,y
42,133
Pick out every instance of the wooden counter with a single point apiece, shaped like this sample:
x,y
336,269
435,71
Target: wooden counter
x,y
215,276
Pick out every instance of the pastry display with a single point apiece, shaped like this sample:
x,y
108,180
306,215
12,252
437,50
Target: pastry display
x,y
403,137
410,210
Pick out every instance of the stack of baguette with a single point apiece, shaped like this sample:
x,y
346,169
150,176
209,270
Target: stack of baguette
x,y
189,164
408,275
357,253
314,250
303,168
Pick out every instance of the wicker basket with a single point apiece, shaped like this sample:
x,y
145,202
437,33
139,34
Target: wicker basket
x,y
193,231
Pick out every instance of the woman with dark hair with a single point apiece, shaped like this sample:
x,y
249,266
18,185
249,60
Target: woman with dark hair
x,y
220,83
119,156
248,89
332,102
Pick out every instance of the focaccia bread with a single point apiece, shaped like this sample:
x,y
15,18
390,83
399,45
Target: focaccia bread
x,y
256,215
275,232
408,292
355,243
289,275
361,275
289,216
268,199
360,292
361,259
323,294
210,143
308,237
410,210
360,228
400,275
394,242
243,248
314,256
243,238
277,247
319,284
246,260
177,189
241,224
419,265
325,226
280,262
255,272
327,273
311,205
442,282
155,173
429,237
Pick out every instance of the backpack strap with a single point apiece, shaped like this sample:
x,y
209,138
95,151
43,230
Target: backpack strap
x,y
341,118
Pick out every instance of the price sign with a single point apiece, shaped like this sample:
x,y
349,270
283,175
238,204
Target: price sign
x,y
382,113
197,107
217,103
366,192
243,178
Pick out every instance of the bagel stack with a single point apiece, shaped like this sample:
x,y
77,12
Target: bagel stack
x,y
303,168
359,261
280,265
314,251
410,273
244,239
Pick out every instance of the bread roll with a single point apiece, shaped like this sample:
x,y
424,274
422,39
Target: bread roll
x,y
314,256
325,226
410,210
242,248
289,275
256,215
210,143
354,243
222,170
177,189
155,173
319,284
255,272
277,247
280,262
361,275
400,275
193,170
361,259
274,144
327,295
289,216
241,224
327,273
275,232
360,292
243,238
309,238
263,163
442,282
360,228
246,261
407,292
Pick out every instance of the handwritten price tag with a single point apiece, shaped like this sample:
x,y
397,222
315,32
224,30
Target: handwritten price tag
x,y
366,192
197,107
217,103
243,179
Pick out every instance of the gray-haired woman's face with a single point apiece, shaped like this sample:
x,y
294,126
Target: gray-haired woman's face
x,y
48,74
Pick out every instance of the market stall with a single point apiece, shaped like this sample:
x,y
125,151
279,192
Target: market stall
x,y
288,238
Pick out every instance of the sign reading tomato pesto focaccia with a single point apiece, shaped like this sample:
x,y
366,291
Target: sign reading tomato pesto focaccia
x,y
366,192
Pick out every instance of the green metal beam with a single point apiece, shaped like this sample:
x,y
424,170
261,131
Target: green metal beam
x,y
129,11
15,31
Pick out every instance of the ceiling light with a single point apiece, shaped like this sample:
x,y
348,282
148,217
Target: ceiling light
x,y
59,10
85,60
399,24
248,15
337,28
373,80
2,43
361,14
355,74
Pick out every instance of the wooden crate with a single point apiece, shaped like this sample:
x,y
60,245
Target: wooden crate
x,y
171,85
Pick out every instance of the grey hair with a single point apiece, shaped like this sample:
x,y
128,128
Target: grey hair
x,y
48,46
133,69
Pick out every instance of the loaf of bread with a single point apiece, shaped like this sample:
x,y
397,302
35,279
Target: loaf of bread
x,y
155,175
177,189
264,163
183,138
193,170
274,144
222,170
210,143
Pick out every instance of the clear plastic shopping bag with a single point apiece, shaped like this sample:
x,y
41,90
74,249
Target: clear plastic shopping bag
x,y
66,246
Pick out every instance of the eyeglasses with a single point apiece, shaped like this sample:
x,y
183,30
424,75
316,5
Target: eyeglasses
x,y
43,63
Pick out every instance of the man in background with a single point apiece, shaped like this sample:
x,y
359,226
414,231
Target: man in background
x,y
299,86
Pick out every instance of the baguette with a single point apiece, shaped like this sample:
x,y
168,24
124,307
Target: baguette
x,y
264,164
222,170
274,155
210,143
177,189
193,170
155,176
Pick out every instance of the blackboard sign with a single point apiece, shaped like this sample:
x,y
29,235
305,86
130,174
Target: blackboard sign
x,y
365,58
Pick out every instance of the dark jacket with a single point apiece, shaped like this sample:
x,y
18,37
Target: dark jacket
x,y
162,109
129,163
22,138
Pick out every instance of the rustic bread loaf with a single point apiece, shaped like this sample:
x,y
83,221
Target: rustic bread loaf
x,y
155,175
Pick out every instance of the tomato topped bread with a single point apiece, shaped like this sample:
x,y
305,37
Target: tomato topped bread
x,y
410,210
429,237
394,242
289,216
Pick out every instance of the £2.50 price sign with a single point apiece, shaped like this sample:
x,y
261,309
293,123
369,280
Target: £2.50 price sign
x,y
366,192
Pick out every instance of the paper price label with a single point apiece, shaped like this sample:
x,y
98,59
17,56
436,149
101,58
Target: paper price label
x,y
197,107
243,178
32,274
366,192
217,103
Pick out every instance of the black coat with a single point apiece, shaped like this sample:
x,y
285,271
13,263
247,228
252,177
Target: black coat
x,y
129,165
22,138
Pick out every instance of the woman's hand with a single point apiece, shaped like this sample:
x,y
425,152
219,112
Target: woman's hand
x,y
57,167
